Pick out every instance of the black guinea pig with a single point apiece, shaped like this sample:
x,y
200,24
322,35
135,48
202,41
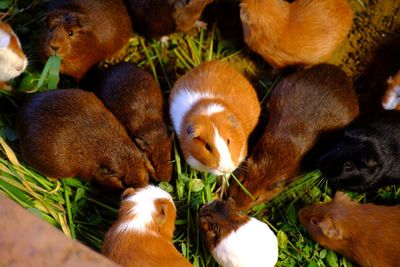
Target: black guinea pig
x,y
69,132
366,155
136,100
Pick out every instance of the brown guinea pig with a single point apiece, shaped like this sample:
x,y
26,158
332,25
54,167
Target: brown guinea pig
x,y
365,233
142,234
304,32
70,132
85,32
391,99
302,106
235,239
213,110
134,97
155,18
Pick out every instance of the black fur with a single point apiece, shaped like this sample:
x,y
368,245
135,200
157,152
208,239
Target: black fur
x,y
366,155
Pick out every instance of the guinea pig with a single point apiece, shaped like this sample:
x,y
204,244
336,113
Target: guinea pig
x,y
302,106
135,99
235,239
142,235
365,233
155,18
69,132
304,32
85,32
213,110
366,155
391,99
12,58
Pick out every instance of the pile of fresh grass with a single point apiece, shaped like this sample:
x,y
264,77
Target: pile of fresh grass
x,y
85,212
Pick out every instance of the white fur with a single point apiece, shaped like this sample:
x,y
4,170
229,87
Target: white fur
x,y
394,99
182,102
252,245
143,208
11,65
212,109
197,164
226,164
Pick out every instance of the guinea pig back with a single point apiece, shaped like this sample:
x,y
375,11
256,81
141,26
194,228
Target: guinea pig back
x,y
302,106
365,233
143,232
69,132
213,110
134,97
84,32
235,239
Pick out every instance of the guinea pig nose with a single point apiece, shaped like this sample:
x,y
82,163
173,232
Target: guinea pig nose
x,y
55,47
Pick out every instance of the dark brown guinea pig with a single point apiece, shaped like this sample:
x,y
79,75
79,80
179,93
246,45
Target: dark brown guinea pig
x,y
134,97
69,132
156,18
365,233
302,106
85,32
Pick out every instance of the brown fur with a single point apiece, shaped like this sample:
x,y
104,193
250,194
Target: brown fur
x,y
300,33
218,219
69,132
302,106
100,29
392,83
153,248
365,233
134,97
235,123
14,43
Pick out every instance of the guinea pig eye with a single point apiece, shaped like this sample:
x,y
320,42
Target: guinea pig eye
x,y
348,166
208,147
228,141
70,33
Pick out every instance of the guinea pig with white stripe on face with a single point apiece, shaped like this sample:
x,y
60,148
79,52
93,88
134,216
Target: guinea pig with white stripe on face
x,y
213,109
142,234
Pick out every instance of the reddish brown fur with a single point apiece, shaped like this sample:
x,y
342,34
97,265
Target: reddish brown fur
x,y
69,132
235,93
365,233
300,33
100,30
301,107
185,17
392,83
152,248
134,97
14,43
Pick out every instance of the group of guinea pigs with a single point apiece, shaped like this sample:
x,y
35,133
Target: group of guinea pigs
x,y
115,131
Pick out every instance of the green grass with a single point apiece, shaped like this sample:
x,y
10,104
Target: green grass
x,y
85,212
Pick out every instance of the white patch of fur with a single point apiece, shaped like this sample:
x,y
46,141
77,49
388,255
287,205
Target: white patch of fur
x,y
142,208
252,245
182,102
11,64
212,109
225,164
394,98
197,164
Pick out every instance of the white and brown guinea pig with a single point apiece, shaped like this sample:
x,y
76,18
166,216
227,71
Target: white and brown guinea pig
x,y
391,99
213,110
85,32
157,18
142,234
235,239
365,233
304,32
12,58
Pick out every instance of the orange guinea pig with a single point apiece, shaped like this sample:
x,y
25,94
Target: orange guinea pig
x,y
302,107
365,233
391,99
303,32
213,109
84,32
69,132
142,234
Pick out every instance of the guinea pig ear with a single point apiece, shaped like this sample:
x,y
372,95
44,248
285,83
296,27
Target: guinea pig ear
x,y
79,19
370,163
161,211
192,131
127,193
342,197
141,144
233,121
231,203
329,230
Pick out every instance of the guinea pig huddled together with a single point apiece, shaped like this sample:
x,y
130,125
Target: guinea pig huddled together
x,y
114,129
